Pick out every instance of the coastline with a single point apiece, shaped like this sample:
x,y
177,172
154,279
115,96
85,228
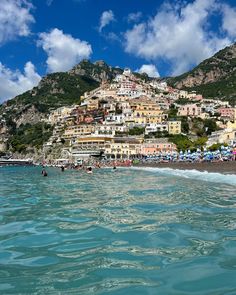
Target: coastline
x,y
216,167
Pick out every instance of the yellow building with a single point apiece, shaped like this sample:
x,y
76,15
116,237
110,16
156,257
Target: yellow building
x,y
231,125
59,114
174,127
78,130
93,104
143,107
223,136
140,120
146,111
95,142
156,119
122,148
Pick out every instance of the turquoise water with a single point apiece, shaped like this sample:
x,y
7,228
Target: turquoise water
x,y
125,232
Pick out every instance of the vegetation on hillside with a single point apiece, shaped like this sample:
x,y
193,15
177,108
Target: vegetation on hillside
x,y
223,85
56,90
184,143
29,136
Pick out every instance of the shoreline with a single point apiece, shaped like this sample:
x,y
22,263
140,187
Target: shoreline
x,y
216,167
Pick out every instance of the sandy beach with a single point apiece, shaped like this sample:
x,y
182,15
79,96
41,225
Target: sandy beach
x,y
220,167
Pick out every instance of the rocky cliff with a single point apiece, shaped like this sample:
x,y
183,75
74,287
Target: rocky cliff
x,y
214,77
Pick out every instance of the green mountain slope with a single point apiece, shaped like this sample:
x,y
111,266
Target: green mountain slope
x,y
214,77
54,90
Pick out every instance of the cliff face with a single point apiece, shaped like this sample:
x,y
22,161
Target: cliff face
x,y
215,77
99,71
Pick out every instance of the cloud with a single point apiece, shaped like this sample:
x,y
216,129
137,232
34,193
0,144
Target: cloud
x,y
15,19
134,17
63,50
178,34
229,20
150,70
112,37
106,18
13,83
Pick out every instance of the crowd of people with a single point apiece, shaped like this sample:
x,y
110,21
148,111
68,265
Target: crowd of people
x,y
198,156
222,154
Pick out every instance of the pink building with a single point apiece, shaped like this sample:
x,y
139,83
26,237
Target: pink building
x,y
229,113
190,110
199,97
152,147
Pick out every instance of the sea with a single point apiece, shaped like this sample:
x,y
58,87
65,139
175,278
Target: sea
x,y
130,231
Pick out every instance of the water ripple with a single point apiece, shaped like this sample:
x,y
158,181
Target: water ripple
x,y
129,232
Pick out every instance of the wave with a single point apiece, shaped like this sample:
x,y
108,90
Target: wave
x,y
193,174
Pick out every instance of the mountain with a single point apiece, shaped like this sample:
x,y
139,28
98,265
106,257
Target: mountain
x,y
215,77
58,89
22,117
98,71
54,90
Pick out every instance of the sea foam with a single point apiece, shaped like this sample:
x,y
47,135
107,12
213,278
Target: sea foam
x,y
193,174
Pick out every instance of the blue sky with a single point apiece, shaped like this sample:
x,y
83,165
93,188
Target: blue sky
x,y
161,38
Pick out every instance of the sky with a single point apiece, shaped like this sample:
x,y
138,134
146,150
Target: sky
x,y
162,38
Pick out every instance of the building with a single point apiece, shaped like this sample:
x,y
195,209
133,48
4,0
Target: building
x,y
60,114
157,146
122,148
78,130
189,110
223,136
146,111
110,129
158,127
174,127
227,113
87,146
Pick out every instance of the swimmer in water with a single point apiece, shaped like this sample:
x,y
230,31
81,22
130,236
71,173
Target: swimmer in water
x,y
89,170
44,173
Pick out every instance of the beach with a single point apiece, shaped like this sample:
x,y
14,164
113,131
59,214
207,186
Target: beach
x,y
220,167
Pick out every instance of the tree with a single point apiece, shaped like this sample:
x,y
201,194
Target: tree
x,y
210,126
182,141
136,131
172,113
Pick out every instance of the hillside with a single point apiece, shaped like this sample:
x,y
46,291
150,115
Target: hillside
x,y
60,89
214,77
54,90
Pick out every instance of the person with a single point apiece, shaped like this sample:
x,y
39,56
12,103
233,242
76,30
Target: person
x,y
44,172
62,168
114,167
89,170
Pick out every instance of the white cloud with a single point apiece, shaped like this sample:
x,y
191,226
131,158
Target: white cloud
x,y
106,18
151,70
178,34
63,50
15,19
229,20
13,83
134,17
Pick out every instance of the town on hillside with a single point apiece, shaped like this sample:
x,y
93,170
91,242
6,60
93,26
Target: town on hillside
x,y
130,118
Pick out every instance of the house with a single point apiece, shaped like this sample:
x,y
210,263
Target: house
x,y
189,110
227,113
223,136
122,148
174,127
156,146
